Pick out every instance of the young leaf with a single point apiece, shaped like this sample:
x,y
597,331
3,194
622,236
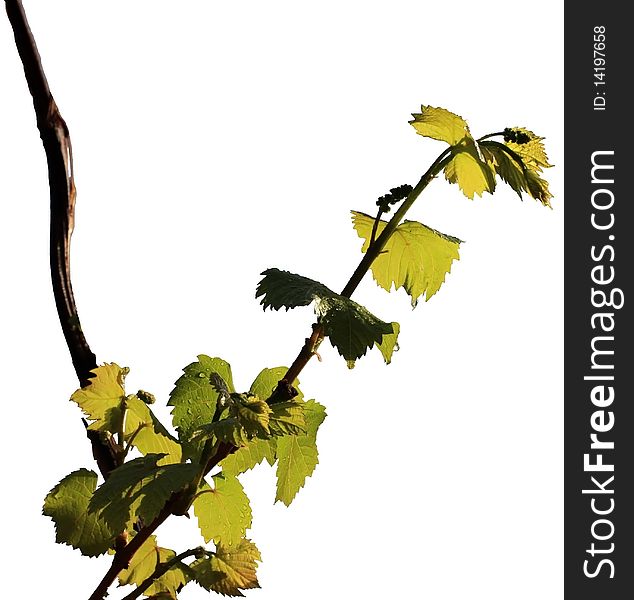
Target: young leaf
x,y
253,414
528,146
223,512
472,174
67,505
351,328
283,289
512,168
194,399
229,570
416,257
287,418
144,563
267,381
440,124
139,489
250,455
297,455
466,167
101,399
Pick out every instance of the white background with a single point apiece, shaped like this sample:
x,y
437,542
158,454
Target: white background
x,y
213,140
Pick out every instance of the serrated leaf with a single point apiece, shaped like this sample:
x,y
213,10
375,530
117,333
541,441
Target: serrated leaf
x,y
139,489
228,430
253,414
249,456
101,399
466,168
223,511
283,289
389,343
143,564
351,328
416,257
532,151
67,505
297,455
194,399
287,418
230,569
511,168
440,124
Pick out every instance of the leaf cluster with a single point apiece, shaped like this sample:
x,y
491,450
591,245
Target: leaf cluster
x,y
154,467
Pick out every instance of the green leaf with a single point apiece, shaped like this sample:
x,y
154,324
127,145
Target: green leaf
x,y
267,381
416,257
287,418
351,328
194,399
390,343
139,489
229,570
144,563
249,456
440,124
228,430
283,289
223,512
67,505
297,455
253,414
101,399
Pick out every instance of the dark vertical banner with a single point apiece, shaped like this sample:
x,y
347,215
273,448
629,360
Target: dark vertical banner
x,y
599,408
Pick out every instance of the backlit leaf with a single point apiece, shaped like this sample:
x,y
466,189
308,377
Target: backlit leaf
x,y
194,399
249,456
351,328
230,569
223,511
297,455
416,257
101,399
139,489
466,168
67,505
440,124
144,563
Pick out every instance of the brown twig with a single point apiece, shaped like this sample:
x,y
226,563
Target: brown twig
x,y
58,149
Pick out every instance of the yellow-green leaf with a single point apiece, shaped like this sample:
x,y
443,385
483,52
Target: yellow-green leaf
x,y
223,512
416,257
297,455
101,399
229,570
531,149
389,343
144,563
440,124
472,174
249,456
67,505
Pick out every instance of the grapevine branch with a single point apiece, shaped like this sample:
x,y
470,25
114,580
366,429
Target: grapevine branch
x,y
59,156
